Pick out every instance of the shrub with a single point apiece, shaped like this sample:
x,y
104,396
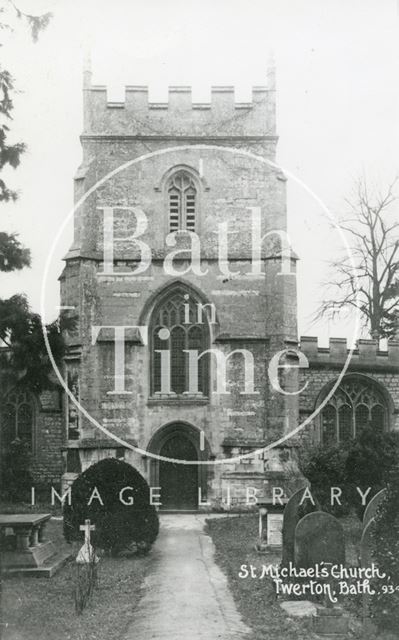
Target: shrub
x,y
117,525
370,458
385,606
324,467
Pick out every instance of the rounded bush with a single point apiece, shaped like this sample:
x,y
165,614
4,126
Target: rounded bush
x,y
117,524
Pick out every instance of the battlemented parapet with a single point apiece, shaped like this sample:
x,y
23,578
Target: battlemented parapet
x,y
365,356
221,117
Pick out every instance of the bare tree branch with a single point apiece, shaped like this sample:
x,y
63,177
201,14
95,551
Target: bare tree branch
x,y
368,281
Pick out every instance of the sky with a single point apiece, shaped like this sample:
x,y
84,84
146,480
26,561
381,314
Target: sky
x,y
337,108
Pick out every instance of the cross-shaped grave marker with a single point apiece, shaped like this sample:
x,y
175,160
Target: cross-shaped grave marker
x,y
86,553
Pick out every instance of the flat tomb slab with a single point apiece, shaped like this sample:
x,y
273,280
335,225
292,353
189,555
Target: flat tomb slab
x,y
299,608
31,557
23,519
26,551
45,570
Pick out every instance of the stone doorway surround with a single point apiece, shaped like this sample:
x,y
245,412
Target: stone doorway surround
x,y
173,440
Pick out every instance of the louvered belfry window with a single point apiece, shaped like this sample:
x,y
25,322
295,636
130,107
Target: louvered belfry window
x,y
182,200
356,404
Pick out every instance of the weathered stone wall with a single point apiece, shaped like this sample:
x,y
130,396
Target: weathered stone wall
x,y
326,365
179,116
254,312
48,429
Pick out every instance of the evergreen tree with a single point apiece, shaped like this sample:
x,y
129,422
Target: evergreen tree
x,y
25,360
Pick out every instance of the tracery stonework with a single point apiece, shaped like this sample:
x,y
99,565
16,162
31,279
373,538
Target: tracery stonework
x,y
179,200
196,195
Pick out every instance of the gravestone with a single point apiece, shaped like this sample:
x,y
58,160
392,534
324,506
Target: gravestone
x,y
372,507
366,559
270,525
291,517
319,538
86,553
367,543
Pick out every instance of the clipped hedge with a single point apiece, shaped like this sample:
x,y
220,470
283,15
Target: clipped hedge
x,y
117,525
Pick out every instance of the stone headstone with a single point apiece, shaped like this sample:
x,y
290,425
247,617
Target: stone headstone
x,y
367,544
86,553
372,507
292,515
319,537
298,608
274,529
366,559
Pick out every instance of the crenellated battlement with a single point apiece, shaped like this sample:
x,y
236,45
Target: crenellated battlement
x,y
366,355
180,116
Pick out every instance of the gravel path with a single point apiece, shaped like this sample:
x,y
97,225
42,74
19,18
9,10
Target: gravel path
x,y
186,594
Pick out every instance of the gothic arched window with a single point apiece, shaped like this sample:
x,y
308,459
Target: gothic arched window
x,y
182,202
17,419
356,404
175,329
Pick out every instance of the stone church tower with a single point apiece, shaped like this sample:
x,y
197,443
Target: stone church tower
x,y
172,202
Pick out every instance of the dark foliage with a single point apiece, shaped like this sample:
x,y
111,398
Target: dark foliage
x,y
363,462
13,255
11,154
117,525
26,360
385,606
368,464
324,467
36,24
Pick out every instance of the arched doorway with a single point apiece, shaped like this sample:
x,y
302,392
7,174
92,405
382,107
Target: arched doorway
x,y
178,482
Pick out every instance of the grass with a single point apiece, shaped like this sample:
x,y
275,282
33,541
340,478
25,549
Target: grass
x,y
234,539
44,608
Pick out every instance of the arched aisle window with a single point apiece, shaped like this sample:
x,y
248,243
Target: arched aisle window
x,y
17,419
182,202
357,403
174,328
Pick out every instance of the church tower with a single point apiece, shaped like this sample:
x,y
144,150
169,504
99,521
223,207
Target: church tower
x,y
184,290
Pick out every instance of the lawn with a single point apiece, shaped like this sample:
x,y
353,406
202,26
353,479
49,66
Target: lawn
x,y
234,539
43,608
